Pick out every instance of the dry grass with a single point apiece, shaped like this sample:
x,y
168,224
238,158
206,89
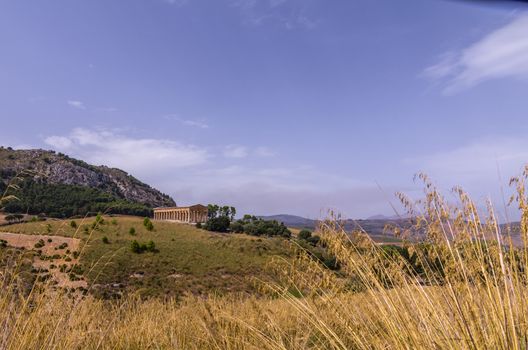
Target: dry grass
x,y
466,288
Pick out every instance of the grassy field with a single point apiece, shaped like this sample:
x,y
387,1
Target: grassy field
x,y
187,260
465,287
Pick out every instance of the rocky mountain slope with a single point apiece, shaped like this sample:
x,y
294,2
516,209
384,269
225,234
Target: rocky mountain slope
x,y
52,168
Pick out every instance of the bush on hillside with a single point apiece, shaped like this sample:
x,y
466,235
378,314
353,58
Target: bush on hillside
x,y
254,226
139,248
305,234
148,224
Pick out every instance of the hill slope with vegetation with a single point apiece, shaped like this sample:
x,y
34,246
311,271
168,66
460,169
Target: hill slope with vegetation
x,y
61,186
178,259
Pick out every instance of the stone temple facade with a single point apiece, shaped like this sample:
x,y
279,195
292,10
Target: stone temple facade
x,y
190,215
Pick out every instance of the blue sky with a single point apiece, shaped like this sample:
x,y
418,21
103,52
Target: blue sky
x,y
274,106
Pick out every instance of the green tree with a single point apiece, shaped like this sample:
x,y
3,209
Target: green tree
x,y
218,224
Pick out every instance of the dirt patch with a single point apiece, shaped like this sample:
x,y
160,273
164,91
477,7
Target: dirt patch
x,y
2,219
58,256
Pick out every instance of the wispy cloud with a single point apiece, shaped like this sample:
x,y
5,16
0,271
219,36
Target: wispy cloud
x,y
264,152
197,123
76,104
235,151
476,165
176,2
289,14
502,53
143,156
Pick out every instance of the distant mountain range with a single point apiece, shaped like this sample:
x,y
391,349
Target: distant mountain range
x,y
374,226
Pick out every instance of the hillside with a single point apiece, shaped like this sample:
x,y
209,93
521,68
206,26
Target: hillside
x,y
78,184
187,260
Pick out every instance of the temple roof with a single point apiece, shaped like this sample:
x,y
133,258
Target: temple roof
x,y
196,206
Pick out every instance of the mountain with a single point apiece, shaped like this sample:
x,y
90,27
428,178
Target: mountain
x,y
374,227
292,220
76,183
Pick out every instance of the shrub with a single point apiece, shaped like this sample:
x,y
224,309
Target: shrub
x,y
236,227
198,225
150,247
105,240
132,231
314,240
99,220
305,234
135,247
148,224
40,244
114,222
139,248
73,224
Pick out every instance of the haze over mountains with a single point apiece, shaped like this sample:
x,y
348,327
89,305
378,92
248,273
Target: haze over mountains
x,y
376,226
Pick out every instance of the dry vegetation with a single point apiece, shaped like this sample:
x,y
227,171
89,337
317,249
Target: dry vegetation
x,y
466,289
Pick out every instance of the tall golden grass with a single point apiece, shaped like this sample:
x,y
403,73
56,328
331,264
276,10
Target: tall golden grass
x,y
464,286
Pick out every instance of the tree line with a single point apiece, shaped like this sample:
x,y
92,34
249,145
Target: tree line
x,y
62,201
222,219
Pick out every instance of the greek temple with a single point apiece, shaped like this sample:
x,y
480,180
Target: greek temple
x,y
190,215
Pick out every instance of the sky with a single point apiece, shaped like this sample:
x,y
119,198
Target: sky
x,y
273,106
